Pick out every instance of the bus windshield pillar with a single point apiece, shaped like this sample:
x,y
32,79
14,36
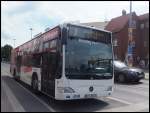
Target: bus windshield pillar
x,y
63,63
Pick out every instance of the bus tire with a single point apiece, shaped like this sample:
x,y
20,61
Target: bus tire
x,y
14,74
34,83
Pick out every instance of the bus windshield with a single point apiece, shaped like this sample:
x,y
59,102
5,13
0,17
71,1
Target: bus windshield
x,y
88,59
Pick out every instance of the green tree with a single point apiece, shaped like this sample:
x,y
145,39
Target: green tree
x,y
6,52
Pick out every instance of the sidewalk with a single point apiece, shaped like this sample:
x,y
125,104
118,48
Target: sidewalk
x,y
146,74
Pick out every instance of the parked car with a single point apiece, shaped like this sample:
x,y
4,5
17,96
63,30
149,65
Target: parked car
x,y
123,73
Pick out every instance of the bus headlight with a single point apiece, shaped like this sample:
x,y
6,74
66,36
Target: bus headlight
x,y
65,90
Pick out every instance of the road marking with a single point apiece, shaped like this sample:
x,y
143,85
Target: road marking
x,y
139,86
133,91
119,100
41,101
129,108
12,99
133,86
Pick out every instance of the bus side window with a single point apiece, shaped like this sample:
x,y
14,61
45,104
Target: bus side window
x,y
50,60
41,61
58,59
25,60
29,60
59,65
36,60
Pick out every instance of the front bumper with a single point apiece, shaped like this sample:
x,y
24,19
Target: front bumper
x,y
75,96
135,77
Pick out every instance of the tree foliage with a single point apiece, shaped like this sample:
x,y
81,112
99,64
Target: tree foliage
x,y
6,52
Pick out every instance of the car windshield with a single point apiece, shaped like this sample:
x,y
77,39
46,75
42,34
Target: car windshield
x,y
86,58
119,64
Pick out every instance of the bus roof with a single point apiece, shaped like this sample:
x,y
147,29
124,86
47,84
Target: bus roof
x,y
59,26
90,27
39,35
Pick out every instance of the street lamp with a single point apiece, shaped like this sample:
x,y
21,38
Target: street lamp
x,y
31,32
14,42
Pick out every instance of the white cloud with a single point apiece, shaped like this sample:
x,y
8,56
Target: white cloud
x,y
18,17
11,5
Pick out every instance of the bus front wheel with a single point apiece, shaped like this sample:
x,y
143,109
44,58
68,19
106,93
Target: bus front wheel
x,y
14,74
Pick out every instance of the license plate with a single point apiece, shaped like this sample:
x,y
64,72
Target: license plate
x,y
90,95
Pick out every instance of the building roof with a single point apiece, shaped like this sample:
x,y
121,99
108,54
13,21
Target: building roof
x,y
116,24
144,16
99,25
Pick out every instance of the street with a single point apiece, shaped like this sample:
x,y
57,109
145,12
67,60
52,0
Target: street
x,y
17,96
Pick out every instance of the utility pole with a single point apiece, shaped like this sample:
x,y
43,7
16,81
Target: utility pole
x,y
130,12
31,32
129,56
14,42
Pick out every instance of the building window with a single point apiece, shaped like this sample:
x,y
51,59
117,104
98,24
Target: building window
x,y
115,57
115,42
133,43
142,26
147,24
145,43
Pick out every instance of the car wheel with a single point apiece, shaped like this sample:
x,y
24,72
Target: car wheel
x,y
121,78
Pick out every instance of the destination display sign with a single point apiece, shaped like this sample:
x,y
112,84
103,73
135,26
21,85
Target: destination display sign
x,y
89,33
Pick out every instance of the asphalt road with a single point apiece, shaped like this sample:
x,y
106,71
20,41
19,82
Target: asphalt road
x,y
17,96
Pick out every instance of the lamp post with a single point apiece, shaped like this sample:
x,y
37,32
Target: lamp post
x,y
31,32
14,42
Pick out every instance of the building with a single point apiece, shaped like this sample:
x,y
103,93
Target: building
x,y
119,27
99,25
144,37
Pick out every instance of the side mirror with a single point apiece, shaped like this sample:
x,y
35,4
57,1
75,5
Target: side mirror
x,y
64,35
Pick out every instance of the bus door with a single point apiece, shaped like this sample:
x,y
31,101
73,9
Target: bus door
x,y
18,64
48,80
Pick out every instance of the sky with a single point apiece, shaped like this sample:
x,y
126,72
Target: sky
x,y
17,17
